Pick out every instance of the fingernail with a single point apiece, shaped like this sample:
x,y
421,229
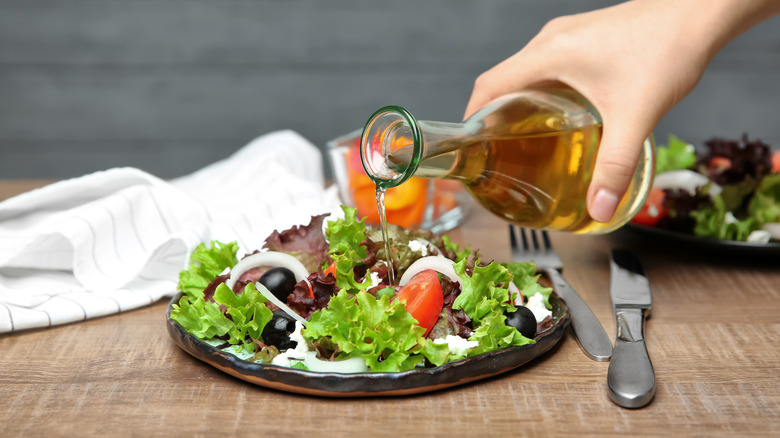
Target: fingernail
x,y
603,206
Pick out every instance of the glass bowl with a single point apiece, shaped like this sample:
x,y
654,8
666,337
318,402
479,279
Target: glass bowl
x,y
434,205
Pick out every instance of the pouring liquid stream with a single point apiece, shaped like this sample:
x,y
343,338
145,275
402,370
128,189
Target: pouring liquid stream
x,y
380,205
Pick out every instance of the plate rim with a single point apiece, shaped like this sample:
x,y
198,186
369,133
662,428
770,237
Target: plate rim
x,y
371,384
706,242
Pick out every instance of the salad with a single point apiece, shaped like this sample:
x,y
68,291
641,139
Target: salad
x,y
729,190
317,297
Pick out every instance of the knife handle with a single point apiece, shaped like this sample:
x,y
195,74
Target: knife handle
x,y
630,377
590,333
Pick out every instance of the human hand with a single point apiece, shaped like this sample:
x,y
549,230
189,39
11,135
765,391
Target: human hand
x,y
633,62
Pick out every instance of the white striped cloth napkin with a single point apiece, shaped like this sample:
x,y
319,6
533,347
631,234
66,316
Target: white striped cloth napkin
x,y
115,240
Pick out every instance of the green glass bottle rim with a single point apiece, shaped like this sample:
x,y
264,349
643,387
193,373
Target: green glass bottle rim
x,y
411,122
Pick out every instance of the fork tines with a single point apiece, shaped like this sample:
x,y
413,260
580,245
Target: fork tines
x,y
529,238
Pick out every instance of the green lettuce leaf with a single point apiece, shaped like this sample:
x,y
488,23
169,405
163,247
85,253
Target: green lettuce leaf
x,y
202,318
765,205
345,237
527,280
384,334
485,299
205,264
713,221
494,334
247,311
460,254
678,155
482,292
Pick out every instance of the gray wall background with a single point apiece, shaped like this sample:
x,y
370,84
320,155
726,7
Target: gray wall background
x,y
169,86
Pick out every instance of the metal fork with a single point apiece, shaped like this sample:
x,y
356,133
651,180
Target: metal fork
x,y
589,332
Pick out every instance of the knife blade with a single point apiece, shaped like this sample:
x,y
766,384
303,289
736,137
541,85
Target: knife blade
x,y
630,377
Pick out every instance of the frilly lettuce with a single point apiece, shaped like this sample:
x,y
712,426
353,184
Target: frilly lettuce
x,y
205,264
677,155
527,280
765,205
381,332
346,237
245,314
485,298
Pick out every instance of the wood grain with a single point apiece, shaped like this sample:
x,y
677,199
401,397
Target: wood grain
x,y
713,339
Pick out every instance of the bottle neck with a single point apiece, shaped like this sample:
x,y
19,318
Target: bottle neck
x,y
394,143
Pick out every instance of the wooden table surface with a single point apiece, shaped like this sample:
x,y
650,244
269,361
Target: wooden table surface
x,y
714,338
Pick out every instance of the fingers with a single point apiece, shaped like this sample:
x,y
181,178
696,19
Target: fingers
x,y
616,162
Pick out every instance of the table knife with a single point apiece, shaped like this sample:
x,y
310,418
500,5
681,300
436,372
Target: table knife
x,y
630,377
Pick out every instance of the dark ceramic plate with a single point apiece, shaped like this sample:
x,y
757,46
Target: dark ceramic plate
x,y
375,384
709,244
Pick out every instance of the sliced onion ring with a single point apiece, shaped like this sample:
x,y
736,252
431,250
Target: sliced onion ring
x,y
347,366
441,265
283,307
273,259
687,180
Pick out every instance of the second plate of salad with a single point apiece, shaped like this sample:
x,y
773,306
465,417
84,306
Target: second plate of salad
x,y
722,196
319,310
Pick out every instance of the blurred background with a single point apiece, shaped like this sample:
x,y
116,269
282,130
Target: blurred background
x,y
169,86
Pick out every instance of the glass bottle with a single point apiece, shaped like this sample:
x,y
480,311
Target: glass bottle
x,y
527,157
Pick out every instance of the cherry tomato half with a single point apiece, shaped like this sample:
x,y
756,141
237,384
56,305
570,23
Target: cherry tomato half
x,y
653,209
423,298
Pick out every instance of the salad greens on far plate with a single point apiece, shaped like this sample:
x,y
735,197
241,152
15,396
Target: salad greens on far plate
x,y
727,189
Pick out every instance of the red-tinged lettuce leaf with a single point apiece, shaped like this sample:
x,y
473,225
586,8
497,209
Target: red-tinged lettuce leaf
x,y
451,322
679,203
748,159
306,243
206,263
323,287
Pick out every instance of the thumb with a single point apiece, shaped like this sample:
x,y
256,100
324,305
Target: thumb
x,y
616,163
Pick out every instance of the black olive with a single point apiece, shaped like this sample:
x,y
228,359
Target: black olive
x,y
280,281
277,331
523,320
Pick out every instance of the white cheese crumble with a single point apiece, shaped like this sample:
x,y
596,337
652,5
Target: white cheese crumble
x,y
653,211
458,346
536,305
418,246
729,218
293,355
759,236
375,279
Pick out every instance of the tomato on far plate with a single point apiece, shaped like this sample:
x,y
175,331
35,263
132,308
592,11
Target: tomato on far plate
x,y
653,209
423,298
